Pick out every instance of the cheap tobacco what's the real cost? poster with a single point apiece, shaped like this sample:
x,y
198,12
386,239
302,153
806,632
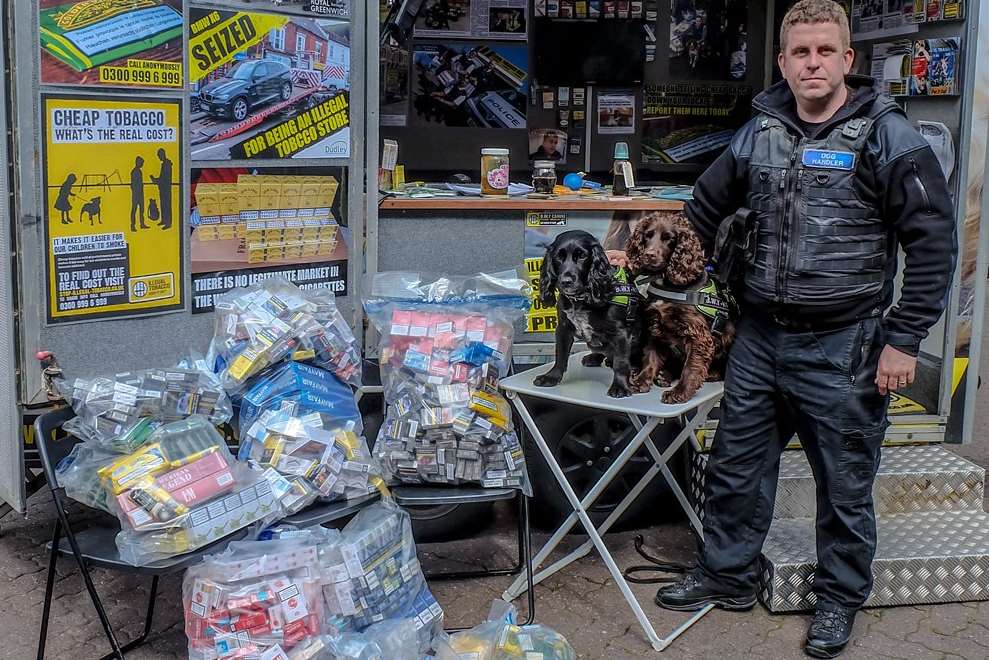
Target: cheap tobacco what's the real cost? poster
x,y
113,215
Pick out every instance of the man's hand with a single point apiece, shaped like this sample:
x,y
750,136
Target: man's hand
x,y
617,258
896,370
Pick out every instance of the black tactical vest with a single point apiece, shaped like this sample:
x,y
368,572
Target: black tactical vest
x,y
819,242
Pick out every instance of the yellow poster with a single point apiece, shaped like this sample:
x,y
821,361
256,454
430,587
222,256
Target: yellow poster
x,y
539,318
217,37
113,228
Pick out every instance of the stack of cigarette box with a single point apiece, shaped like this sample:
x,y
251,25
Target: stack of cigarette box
x,y
373,575
181,490
305,454
446,420
120,411
274,321
264,601
277,216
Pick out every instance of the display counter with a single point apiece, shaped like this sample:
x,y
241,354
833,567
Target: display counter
x,y
575,203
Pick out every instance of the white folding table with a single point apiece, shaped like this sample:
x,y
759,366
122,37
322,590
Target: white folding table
x,y
588,386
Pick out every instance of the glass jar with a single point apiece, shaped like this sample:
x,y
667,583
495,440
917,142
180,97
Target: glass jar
x,y
494,172
544,176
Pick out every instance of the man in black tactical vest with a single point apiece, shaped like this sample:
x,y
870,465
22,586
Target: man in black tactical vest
x,y
836,178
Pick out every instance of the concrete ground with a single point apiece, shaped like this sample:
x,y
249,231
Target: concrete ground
x,y
582,603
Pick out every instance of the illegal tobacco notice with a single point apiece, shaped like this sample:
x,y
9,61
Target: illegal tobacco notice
x,y
691,122
112,171
125,43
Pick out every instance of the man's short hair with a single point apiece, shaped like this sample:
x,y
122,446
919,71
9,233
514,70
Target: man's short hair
x,y
816,11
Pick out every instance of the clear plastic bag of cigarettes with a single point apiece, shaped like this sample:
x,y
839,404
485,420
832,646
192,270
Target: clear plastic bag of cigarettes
x,y
445,343
306,455
120,412
181,490
371,574
78,474
393,639
257,599
499,638
274,321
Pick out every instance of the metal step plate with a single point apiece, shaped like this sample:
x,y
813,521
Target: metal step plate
x,y
910,479
926,557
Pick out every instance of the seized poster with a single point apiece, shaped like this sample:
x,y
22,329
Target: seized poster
x,y
470,85
132,43
708,39
268,86
247,226
113,230
542,228
691,123
616,113
480,19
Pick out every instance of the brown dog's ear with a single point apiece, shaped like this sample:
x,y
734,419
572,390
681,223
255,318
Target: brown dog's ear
x,y
636,245
687,262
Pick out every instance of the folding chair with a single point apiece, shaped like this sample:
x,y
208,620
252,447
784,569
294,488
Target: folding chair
x,y
320,513
439,496
95,546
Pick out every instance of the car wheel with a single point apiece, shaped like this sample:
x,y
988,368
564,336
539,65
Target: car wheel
x,y
447,522
239,109
286,91
584,442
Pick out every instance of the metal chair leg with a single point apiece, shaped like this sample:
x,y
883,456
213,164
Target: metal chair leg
x,y
526,557
88,580
49,589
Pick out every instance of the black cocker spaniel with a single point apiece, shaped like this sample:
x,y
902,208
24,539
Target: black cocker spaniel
x,y
592,305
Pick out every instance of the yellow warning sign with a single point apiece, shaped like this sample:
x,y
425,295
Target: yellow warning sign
x,y
151,287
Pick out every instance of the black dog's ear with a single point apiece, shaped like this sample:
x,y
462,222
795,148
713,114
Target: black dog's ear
x,y
547,279
601,284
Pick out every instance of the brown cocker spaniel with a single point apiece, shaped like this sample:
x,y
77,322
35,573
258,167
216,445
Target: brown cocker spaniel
x,y
678,344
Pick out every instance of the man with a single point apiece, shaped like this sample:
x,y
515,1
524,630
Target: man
x,y
837,177
137,194
164,183
549,149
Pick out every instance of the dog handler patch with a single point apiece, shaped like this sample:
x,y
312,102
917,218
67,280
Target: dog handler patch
x,y
829,160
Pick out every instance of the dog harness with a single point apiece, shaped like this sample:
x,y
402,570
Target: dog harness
x,y
707,298
624,293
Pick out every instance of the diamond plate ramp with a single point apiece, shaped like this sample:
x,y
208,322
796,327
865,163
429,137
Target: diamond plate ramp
x,y
911,479
925,557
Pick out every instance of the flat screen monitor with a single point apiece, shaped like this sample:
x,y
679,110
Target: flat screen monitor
x,y
598,52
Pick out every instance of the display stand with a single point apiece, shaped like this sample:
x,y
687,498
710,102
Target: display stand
x,y
587,386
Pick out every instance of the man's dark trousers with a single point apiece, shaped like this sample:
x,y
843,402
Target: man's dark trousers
x,y
819,383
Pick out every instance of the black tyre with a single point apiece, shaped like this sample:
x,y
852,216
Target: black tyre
x,y
450,521
239,108
584,440
286,91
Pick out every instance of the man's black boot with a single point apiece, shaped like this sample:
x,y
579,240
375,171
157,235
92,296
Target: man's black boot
x,y
830,631
689,594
